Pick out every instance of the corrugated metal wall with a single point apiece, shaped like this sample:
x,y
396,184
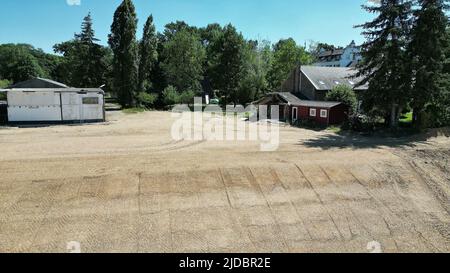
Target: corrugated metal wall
x,y
33,106
54,106
74,108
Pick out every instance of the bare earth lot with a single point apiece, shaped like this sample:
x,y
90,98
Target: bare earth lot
x,y
125,186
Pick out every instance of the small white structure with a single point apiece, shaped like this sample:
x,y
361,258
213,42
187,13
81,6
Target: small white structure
x,y
349,56
55,105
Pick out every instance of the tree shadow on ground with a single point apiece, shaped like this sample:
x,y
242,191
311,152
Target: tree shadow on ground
x,y
346,140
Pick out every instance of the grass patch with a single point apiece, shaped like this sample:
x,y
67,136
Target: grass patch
x,y
134,110
407,118
335,129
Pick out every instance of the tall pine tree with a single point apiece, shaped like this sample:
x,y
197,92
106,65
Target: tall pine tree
x,y
384,59
147,53
86,63
446,68
87,35
122,41
427,52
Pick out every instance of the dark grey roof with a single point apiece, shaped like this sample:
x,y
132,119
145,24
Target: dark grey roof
x,y
39,83
69,89
328,53
319,104
289,97
325,78
293,100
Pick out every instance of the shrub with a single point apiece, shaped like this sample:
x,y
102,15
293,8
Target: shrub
x,y
147,99
308,124
187,97
436,115
360,123
170,95
345,94
134,110
4,83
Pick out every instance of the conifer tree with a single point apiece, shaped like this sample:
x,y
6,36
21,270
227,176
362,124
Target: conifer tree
x,y
427,52
85,62
87,35
147,53
122,41
384,58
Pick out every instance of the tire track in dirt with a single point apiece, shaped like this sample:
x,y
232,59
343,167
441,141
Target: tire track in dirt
x,y
50,200
92,197
353,213
439,190
254,182
278,180
182,147
440,194
320,200
387,210
375,200
222,179
37,215
435,185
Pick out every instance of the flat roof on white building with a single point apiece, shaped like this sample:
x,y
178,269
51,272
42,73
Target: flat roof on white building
x,y
55,90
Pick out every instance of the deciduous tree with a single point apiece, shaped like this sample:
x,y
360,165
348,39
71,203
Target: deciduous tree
x,y
227,67
258,58
286,56
183,61
345,94
17,63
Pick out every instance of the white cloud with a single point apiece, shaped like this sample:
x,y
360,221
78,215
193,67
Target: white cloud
x,y
374,1
73,2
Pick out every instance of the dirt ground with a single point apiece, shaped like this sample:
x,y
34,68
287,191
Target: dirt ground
x,y
125,186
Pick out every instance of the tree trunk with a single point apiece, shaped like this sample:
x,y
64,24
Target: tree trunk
x,y
394,116
417,118
399,114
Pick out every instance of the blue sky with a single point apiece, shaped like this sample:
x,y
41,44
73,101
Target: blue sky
x,y
46,22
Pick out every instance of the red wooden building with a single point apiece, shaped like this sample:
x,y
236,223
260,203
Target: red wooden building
x,y
293,109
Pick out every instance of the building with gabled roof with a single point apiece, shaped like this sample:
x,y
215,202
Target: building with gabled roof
x,y
314,82
45,101
293,109
39,83
349,56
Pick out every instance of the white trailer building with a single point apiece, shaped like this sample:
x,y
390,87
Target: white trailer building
x,y
55,105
